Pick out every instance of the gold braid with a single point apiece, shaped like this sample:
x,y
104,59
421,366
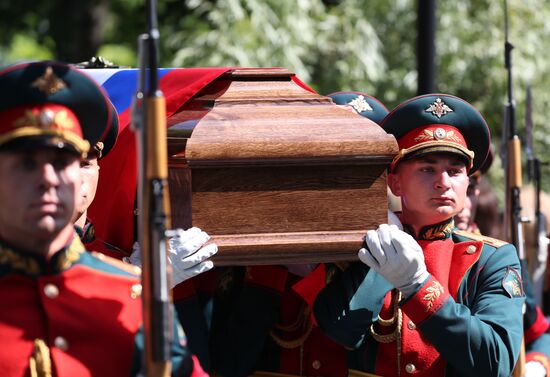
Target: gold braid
x,y
397,316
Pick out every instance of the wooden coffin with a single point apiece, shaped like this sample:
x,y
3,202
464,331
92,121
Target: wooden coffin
x,y
274,173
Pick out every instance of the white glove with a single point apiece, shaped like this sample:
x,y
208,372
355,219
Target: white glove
x,y
186,254
396,256
534,369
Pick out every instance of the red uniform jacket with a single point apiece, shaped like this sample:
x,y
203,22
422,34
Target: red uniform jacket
x,y
81,311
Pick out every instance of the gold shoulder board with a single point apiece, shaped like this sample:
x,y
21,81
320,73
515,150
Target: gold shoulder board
x,y
478,237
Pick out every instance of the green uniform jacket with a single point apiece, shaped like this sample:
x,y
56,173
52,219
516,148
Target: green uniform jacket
x,y
465,320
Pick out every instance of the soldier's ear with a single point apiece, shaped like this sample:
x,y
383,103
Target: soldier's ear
x,y
394,184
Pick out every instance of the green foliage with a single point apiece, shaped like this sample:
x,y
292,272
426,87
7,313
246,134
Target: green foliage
x,y
481,50
122,55
23,47
304,36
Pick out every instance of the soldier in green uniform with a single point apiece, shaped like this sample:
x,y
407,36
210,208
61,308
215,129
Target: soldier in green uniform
x,y
429,299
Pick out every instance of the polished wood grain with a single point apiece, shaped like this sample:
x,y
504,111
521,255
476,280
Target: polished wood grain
x,y
275,173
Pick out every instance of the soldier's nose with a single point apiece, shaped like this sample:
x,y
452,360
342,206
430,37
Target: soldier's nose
x,y
442,180
49,176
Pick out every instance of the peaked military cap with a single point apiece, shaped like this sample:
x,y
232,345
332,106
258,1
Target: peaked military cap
x,y
362,103
438,123
102,147
50,104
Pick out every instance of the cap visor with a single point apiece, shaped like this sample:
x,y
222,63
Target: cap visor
x,y
39,142
438,149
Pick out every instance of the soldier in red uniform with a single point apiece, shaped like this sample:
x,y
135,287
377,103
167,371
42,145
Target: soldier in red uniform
x,y
66,312
428,299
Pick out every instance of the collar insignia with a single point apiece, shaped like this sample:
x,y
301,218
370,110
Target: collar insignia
x,y
33,265
86,234
49,83
438,108
359,104
438,231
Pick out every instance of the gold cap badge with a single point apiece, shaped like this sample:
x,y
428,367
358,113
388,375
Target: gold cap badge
x,y
438,108
46,119
49,83
359,104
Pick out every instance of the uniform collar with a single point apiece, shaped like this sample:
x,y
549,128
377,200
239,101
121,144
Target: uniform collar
x,y
86,234
29,264
439,231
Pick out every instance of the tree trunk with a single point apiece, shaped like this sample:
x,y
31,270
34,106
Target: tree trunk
x,y
78,28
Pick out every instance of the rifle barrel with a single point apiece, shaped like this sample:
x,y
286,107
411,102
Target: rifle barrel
x,y
150,125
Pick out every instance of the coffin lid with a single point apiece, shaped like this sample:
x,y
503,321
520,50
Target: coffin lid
x,y
267,116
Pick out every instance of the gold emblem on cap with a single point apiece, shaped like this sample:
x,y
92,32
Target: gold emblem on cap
x,y
45,120
359,104
49,83
438,108
63,121
438,134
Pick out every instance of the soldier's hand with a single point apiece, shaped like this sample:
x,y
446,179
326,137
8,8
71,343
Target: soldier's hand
x,y
188,255
396,256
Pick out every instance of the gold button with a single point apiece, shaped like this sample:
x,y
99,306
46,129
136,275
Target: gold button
x,y
316,364
136,291
410,368
411,325
51,291
61,343
471,249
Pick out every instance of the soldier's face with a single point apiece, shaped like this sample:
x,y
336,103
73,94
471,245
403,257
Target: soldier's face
x,y
38,194
89,171
432,188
